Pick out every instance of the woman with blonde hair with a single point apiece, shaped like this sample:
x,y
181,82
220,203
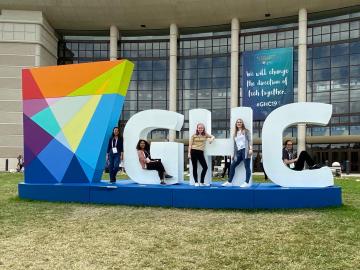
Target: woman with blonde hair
x,y
196,152
242,152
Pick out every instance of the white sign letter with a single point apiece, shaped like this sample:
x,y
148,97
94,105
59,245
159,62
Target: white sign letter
x,y
272,134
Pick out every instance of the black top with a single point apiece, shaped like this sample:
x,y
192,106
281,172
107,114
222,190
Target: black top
x,y
288,155
119,144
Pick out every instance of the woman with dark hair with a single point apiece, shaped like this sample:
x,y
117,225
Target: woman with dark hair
x,y
114,153
242,152
147,163
196,152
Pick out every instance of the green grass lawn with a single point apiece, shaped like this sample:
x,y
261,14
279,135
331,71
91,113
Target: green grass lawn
x,y
43,235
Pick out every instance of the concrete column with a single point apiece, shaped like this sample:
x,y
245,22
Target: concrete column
x,y
234,85
114,36
301,144
173,74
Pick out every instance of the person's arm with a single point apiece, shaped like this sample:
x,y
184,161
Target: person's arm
x,y
250,143
142,159
286,160
190,144
211,138
108,149
121,148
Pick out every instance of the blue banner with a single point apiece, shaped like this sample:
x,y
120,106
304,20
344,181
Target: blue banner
x,y
267,80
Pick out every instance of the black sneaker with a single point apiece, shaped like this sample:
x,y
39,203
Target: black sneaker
x,y
315,166
162,182
168,176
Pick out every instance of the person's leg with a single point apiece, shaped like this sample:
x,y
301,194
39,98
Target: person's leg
x,y
224,171
303,157
204,167
155,165
194,160
234,164
111,166
116,166
247,169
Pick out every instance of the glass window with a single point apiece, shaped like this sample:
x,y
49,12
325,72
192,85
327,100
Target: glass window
x,y
339,108
341,96
340,130
355,59
339,73
340,49
323,97
319,63
321,75
323,51
339,61
355,47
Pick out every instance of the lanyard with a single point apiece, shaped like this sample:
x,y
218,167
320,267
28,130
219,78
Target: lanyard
x,y
114,142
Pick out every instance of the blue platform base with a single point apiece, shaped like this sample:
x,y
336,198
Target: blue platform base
x,y
259,196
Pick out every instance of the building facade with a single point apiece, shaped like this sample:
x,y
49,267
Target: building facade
x,y
180,68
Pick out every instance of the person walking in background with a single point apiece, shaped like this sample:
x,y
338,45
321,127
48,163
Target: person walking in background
x,y
227,161
20,163
114,153
196,152
242,152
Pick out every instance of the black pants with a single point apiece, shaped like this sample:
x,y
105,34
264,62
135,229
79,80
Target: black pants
x,y
198,155
158,166
262,167
226,169
303,157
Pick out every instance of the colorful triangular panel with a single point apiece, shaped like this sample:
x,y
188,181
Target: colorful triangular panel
x,y
33,106
69,113
74,173
57,163
37,172
66,108
35,138
60,81
61,138
107,83
30,88
75,129
47,121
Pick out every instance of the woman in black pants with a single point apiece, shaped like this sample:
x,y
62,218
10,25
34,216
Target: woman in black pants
x,y
147,163
196,152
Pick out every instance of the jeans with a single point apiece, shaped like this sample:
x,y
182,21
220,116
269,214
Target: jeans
x,y
240,156
114,161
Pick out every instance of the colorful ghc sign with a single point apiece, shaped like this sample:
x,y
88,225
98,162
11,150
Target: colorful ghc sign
x,y
69,112
144,122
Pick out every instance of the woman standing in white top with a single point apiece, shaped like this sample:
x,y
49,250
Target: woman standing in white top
x,y
242,152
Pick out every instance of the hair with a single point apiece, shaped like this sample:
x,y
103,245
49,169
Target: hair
x,y
197,132
236,128
147,145
112,133
285,143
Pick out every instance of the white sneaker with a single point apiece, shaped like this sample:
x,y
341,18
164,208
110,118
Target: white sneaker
x,y
202,184
197,185
245,185
206,185
226,184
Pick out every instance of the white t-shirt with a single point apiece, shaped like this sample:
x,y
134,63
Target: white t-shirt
x,y
240,140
